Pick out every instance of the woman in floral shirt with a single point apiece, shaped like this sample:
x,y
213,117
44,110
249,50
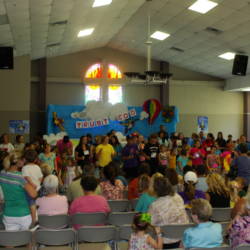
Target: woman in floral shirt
x,y
239,232
112,188
167,209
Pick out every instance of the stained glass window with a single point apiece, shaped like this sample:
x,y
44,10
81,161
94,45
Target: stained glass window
x,y
94,71
115,94
92,93
114,72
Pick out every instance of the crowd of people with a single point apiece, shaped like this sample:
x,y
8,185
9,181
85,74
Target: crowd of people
x,y
172,176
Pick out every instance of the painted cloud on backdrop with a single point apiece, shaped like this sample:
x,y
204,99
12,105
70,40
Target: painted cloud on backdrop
x,y
97,110
52,138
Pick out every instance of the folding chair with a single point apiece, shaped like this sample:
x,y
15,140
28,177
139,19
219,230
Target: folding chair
x,y
123,237
224,226
121,218
243,247
119,205
175,231
125,194
15,238
221,214
53,221
89,219
95,237
214,248
133,203
63,239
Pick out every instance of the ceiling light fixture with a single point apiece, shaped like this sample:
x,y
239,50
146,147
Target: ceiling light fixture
x,y
227,56
203,6
160,35
85,32
245,89
99,3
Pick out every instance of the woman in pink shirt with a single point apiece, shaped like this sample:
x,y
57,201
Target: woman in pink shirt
x,y
89,202
52,203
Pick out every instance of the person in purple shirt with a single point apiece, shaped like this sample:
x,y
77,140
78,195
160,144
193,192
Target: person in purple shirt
x,y
130,157
242,163
190,193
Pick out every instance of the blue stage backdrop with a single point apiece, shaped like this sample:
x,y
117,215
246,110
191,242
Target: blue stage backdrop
x,y
133,124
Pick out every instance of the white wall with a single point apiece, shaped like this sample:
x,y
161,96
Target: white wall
x,y
207,98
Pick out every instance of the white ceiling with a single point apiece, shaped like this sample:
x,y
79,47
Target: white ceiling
x,y
123,25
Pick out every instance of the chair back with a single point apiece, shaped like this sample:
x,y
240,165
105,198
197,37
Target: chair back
x,y
214,248
125,232
121,218
55,237
221,214
119,205
134,203
175,231
89,219
96,234
243,247
15,238
53,221
224,226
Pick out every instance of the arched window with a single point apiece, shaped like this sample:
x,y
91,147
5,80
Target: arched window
x,y
94,71
114,72
96,77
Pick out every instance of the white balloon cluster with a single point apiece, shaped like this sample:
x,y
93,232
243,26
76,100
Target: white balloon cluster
x,y
53,138
97,110
144,115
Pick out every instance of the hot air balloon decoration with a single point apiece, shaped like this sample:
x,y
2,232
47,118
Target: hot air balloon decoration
x,y
153,108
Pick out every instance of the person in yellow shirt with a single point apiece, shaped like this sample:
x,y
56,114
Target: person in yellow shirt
x,y
104,152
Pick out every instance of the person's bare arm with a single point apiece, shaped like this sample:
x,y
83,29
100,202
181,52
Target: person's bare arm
x,y
207,196
29,180
30,190
157,244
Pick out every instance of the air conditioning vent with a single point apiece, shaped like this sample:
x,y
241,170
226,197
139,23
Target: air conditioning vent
x,y
213,30
53,45
177,49
64,22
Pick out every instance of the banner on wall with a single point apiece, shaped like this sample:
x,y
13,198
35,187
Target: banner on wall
x,y
92,124
132,119
125,116
19,126
202,124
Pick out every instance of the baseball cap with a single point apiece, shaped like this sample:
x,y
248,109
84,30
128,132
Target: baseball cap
x,y
190,176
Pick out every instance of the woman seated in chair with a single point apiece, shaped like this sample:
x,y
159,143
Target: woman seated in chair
x,y
167,209
239,230
112,188
90,202
52,203
218,193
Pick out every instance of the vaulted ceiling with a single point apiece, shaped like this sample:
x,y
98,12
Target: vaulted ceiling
x,y
50,27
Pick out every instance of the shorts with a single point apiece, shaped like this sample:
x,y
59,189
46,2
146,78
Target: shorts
x,y
30,200
17,223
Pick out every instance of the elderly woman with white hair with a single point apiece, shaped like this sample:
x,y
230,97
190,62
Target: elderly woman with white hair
x,y
52,203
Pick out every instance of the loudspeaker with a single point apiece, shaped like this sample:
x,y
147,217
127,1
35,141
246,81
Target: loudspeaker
x,y
240,65
6,58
